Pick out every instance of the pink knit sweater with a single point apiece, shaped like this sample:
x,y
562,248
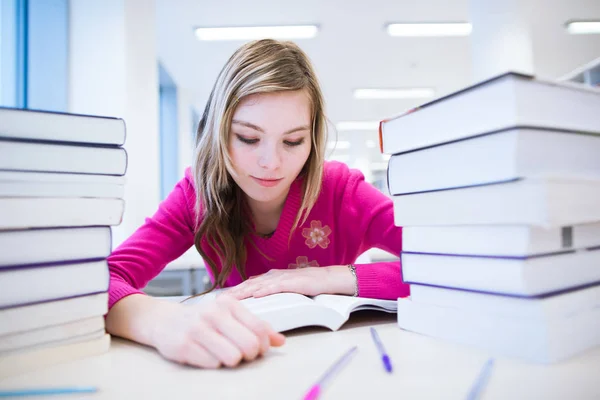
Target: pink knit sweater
x,y
349,217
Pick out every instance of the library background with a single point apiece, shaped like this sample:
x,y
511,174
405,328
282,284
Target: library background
x,y
153,63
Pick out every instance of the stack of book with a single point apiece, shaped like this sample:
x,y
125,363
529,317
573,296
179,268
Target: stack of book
x,y
61,190
497,187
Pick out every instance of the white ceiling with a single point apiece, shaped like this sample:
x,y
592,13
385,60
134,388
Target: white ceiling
x,y
352,49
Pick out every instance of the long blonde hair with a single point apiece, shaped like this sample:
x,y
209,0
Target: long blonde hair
x,y
262,66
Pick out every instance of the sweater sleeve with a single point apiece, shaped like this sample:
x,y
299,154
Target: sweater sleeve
x,y
161,239
370,216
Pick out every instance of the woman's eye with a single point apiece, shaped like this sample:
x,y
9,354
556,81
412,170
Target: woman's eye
x,y
246,140
294,143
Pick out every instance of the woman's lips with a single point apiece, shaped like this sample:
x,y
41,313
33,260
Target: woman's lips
x,y
267,182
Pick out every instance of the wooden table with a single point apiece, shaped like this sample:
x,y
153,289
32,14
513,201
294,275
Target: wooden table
x,y
424,368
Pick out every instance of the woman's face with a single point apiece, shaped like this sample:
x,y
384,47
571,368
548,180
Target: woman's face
x,y
269,143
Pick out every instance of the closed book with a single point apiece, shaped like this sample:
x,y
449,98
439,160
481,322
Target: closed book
x,y
521,276
504,101
539,308
499,240
47,157
20,318
496,157
35,246
70,331
544,203
42,282
37,358
552,341
62,127
43,184
41,212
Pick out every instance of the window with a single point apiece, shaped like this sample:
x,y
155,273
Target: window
x,y
33,54
47,54
12,53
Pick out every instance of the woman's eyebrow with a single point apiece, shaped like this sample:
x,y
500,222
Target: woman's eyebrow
x,y
258,128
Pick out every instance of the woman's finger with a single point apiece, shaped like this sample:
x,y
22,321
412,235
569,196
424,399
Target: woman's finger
x,y
268,337
241,336
196,355
243,290
219,346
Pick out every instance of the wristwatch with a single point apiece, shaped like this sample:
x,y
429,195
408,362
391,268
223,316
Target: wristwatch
x,y
352,269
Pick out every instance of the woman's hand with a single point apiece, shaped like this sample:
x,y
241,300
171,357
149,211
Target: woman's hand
x,y
309,281
219,333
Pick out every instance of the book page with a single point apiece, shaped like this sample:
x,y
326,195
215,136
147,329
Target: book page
x,y
344,305
273,302
256,305
285,311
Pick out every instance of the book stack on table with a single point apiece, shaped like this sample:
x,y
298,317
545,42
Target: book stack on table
x,y
61,190
497,188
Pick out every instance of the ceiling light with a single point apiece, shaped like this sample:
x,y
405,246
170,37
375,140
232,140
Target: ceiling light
x,y
340,144
257,32
357,125
430,29
410,93
583,27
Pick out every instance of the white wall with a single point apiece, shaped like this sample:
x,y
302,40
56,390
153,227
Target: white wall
x,y
186,129
113,72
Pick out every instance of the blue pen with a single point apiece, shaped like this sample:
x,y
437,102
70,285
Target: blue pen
x,y
387,363
47,391
481,380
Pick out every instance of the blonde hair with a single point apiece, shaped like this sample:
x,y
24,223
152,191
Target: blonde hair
x,y
262,66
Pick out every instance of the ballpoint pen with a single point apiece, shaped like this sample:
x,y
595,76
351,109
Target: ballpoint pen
x,y
315,390
481,380
47,391
387,363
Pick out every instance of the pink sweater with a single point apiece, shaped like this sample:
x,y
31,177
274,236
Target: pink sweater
x,y
349,217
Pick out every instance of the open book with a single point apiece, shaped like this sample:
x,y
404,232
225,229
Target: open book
x,y
285,311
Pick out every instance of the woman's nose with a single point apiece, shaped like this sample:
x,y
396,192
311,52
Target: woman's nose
x,y
269,158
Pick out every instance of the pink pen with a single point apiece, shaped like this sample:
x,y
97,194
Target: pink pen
x,y
315,390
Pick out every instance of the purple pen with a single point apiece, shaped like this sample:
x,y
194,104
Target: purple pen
x,y
387,363
315,390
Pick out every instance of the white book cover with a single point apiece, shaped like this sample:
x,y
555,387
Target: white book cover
x,y
28,124
499,240
46,157
79,330
28,285
54,312
498,157
539,308
501,102
56,212
36,246
530,340
544,203
42,184
521,276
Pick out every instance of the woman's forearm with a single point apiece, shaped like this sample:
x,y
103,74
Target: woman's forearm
x,y
136,317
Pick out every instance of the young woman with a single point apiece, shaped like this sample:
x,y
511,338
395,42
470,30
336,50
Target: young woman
x,y
264,210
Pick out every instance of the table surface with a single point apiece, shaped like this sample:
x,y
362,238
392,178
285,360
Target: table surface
x,y
424,368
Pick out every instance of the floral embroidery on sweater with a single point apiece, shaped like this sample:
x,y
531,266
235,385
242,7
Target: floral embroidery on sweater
x,y
302,262
317,235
